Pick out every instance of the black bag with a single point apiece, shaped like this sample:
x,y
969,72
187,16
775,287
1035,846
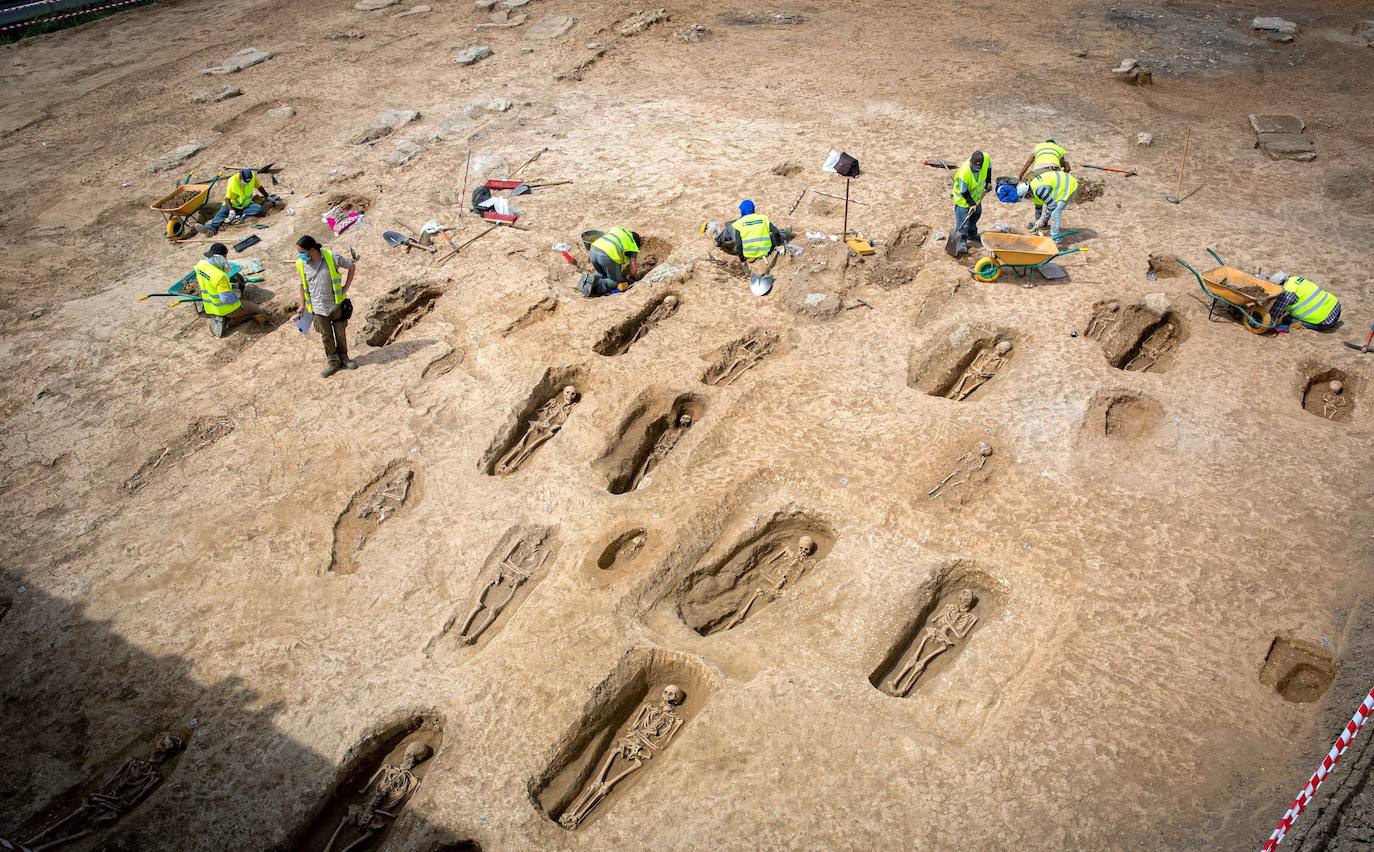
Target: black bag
x,y
847,166
346,310
479,195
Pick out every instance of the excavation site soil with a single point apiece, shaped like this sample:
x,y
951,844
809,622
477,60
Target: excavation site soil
x,y
890,557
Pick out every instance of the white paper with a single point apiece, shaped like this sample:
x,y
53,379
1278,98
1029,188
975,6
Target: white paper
x,y
303,324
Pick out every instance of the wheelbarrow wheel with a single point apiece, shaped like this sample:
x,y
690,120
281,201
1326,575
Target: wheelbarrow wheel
x,y
1257,321
987,269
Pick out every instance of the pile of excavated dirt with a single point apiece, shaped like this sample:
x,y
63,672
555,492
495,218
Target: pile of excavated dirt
x,y
549,572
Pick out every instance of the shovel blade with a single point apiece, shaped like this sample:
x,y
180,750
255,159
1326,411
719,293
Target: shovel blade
x,y
1358,347
520,190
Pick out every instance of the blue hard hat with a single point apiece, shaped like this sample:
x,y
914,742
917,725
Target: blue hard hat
x,y
245,174
746,207
1006,193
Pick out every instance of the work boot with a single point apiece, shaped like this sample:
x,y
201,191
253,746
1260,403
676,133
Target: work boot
x,y
350,364
329,370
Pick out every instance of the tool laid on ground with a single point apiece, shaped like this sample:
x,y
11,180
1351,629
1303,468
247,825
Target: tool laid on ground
x,y
1126,172
1367,340
247,242
466,163
565,250
519,188
1177,197
941,164
527,163
441,260
397,240
501,218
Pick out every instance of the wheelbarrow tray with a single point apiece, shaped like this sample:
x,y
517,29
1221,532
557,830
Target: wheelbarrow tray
x,y
1240,288
182,286
165,206
1019,249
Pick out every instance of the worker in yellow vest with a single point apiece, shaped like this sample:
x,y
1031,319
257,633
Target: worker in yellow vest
x,y
615,262
972,180
1303,301
240,198
752,237
1051,191
1048,156
220,297
324,296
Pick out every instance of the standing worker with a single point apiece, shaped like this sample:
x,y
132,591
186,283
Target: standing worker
x,y
220,297
1051,191
972,180
611,254
324,295
1048,156
239,198
1303,301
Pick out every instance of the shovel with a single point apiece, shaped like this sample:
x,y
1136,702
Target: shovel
x,y
396,239
1177,197
526,187
1365,347
760,285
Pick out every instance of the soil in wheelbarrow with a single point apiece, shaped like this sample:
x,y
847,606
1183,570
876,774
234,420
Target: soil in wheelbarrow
x,y
175,202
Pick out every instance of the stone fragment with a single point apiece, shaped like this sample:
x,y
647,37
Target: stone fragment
x,y
1158,302
551,26
472,55
1287,146
282,111
404,153
1366,30
1146,139
485,106
1131,71
415,10
485,5
385,124
175,157
245,58
1277,29
374,5
215,97
696,32
1277,124
339,174
346,35
512,23
484,166
638,23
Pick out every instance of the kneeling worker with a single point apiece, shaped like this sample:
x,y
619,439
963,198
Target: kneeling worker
x,y
239,198
324,295
751,237
1051,192
221,298
612,254
1303,301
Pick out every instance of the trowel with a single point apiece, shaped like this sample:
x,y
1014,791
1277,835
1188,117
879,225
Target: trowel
x,y
760,285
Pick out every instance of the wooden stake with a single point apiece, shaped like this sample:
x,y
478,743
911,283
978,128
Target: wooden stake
x,y
463,199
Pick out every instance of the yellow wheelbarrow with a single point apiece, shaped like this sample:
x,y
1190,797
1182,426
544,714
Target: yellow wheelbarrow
x,y
179,207
1022,254
1234,291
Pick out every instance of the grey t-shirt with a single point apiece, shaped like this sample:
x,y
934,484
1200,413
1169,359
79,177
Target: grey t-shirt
x,y
318,283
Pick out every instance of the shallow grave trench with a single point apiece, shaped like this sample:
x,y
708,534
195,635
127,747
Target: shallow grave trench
x,y
646,437
1330,394
623,335
397,310
1136,338
962,364
1299,671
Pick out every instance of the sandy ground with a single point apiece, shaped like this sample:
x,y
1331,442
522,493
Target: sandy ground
x,y
1137,540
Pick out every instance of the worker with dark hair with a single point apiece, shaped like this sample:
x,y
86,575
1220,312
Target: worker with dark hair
x,y
239,198
324,295
221,297
972,180
615,260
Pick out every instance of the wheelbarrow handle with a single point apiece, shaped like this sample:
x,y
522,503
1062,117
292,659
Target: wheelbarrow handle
x,y
1220,262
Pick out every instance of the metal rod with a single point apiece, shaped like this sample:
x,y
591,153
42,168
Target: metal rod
x,y
844,234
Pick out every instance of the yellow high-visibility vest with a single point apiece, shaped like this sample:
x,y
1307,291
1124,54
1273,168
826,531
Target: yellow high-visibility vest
x,y
217,294
616,243
1053,186
1313,305
334,276
966,181
754,235
1049,154
240,194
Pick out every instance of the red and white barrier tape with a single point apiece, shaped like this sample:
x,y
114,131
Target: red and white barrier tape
x,y
50,18
1309,790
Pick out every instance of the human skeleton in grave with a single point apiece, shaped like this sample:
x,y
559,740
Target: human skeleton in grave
x,y
969,464
545,423
948,628
1152,348
1102,320
664,309
653,726
746,354
776,570
525,557
1333,400
662,447
386,793
983,368
387,499
134,782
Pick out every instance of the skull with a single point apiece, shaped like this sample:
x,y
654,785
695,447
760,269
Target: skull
x,y
166,743
984,449
1336,387
684,421
673,694
1003,347
569,394
966,600
806,545
415,754
670,300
